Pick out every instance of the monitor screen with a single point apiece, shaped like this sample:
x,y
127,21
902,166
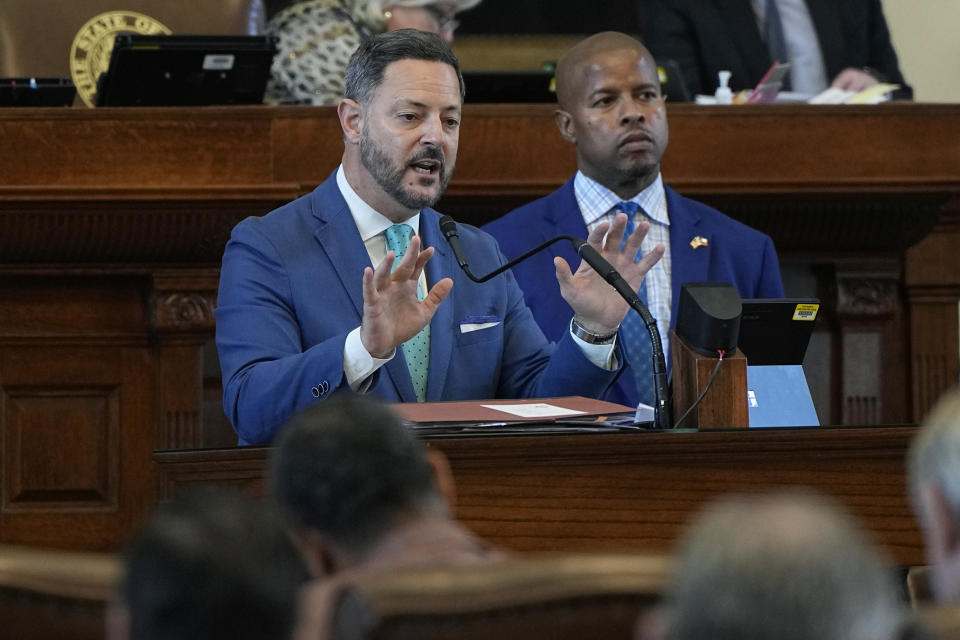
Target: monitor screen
x,y
160,70
776,330
36,92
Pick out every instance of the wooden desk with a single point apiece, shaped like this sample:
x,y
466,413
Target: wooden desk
x,y
114,221
629,491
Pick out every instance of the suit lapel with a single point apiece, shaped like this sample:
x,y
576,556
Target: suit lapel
x,y
337,235
742,21
557,221
442,327
687,263
827,23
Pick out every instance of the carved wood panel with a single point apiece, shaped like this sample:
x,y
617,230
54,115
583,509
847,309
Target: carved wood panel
x,y
75,422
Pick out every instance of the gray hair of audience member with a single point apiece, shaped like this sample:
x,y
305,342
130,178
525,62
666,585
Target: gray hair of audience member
x,y
369,62
213,564
934,457
783,566
348,468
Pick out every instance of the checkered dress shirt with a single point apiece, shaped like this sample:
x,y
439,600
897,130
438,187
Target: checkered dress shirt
x,y
598,204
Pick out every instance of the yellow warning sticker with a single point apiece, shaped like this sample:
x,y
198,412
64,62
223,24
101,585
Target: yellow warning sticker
x,y
807,312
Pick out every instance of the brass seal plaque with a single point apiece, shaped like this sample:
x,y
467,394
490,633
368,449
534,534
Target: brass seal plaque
x,y
91,48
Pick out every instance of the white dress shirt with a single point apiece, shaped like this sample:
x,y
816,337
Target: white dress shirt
x,y
808,73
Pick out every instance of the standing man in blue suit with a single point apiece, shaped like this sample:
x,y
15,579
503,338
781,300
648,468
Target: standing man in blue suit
x,y
612,110
319,294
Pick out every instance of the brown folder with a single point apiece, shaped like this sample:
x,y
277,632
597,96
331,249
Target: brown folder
x,y
474,411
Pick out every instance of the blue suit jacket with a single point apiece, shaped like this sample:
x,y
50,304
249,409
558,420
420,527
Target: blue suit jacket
x,y
291,291
736,254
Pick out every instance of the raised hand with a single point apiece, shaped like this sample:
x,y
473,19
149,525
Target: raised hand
x,y
596,305
392,314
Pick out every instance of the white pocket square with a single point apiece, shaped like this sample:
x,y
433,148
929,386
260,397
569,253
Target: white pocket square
x,y
467,327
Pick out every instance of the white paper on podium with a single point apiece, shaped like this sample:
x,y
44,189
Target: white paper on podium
x,y
534,410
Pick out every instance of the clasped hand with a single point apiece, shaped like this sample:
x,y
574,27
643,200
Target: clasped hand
x,y
392,314
596,305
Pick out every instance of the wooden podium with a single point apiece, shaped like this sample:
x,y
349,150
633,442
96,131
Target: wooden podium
x,y
725,405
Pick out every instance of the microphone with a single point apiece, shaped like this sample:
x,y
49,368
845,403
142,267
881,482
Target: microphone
x,y
449,229
661,409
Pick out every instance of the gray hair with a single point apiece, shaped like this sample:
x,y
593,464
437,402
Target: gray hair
x,y
784,566
367,65
934,456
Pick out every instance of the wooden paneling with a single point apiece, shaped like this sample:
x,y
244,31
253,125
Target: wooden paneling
x,y
75,428
631,491
114,222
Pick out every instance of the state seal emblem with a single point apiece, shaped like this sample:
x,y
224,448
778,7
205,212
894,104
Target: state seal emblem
x,y
91,48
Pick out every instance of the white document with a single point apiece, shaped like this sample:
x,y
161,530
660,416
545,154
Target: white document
x,y
534,410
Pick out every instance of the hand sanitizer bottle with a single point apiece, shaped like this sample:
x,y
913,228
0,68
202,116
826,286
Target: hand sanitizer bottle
x,y
723,94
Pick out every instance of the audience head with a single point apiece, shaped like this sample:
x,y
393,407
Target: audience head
x,y
934,480
784,566
346,472
611,108
211,565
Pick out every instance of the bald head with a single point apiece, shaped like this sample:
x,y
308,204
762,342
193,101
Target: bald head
x,y
573,66
613,112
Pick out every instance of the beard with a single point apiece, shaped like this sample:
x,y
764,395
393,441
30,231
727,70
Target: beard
x,y
389,175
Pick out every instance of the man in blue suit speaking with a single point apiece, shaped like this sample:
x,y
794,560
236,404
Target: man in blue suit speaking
x,y
319,294
612,110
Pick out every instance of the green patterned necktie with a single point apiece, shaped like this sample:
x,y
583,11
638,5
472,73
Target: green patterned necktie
x,y
416,350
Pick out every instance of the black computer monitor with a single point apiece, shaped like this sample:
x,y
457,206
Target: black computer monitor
x,y
160,70
776,331
36,92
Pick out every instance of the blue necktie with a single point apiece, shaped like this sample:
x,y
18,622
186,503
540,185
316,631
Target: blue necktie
x,y
416,350
633,333
776,42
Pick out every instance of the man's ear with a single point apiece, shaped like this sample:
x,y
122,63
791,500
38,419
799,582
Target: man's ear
x,y
443,477
319,557
565,124
351,119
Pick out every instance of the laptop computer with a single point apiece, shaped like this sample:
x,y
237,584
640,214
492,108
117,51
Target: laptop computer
x,y
37,92
774,334
509,86
162,70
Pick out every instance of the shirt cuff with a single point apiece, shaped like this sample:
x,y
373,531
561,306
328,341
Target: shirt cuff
x,y
602,355
358,364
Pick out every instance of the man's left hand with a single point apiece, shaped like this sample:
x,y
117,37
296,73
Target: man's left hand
x,y
597,306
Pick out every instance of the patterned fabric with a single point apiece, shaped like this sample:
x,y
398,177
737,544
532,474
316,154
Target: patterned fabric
x,y
598,204
416,350
633,333
315,40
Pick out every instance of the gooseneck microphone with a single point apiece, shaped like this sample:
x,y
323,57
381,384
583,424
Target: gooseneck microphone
x,y
661,408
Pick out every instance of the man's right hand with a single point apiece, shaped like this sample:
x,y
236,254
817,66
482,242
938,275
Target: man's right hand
x,y
392,314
